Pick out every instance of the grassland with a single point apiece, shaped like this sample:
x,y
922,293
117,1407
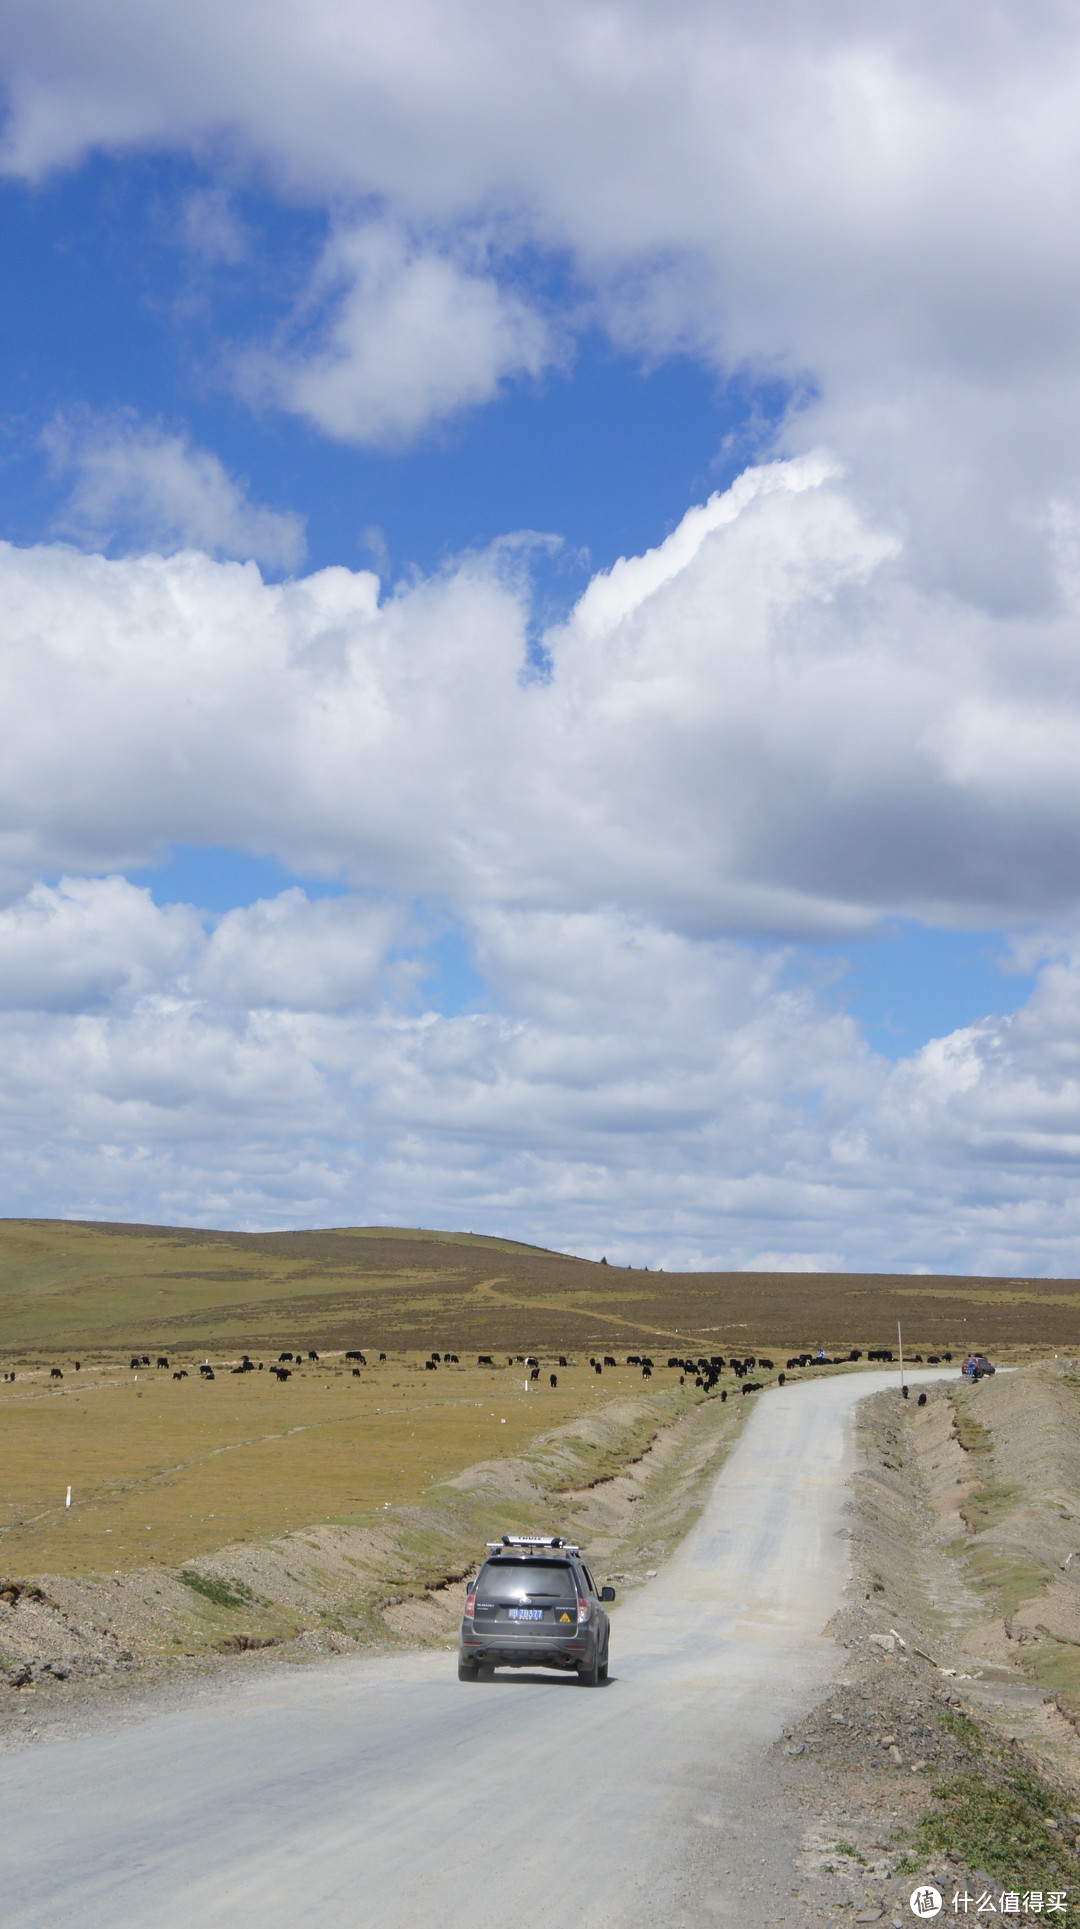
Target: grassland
x,y
165,1470
105,1289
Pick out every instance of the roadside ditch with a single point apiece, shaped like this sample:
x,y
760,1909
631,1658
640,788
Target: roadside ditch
x,y
949,1752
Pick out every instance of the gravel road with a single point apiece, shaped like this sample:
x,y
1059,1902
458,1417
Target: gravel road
x,y
383,1794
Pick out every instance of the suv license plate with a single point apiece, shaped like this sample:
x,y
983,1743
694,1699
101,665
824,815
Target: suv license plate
x,y
525,1614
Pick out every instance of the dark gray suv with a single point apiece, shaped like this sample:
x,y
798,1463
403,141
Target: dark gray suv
x,y
534,1604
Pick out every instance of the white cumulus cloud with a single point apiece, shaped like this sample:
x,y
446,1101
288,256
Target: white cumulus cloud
x,y
142,486
407,337
763,725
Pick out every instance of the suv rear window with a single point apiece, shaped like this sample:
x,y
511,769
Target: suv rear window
x,y
526,1581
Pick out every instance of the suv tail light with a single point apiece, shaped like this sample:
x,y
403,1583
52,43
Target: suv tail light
x,y
470,1603
582,1608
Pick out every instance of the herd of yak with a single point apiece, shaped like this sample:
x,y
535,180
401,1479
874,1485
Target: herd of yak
x,y
705,1371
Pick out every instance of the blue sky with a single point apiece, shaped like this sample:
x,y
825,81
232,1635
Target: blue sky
x,y
594,900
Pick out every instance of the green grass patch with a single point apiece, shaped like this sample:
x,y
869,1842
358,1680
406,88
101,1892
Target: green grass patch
x,y
996,1819
1056,1668
967,1732
972,1435
989,1505
1007,1580
226,1594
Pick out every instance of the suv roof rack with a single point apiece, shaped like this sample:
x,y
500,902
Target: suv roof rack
x,y
530,1541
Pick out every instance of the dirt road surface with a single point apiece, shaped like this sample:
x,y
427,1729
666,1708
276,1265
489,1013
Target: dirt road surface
x,y
383,1794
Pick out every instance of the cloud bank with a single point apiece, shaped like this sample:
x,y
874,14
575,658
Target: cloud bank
x,y
762,726
659,1099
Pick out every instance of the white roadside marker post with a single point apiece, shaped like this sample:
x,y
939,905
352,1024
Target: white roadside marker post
x,y
67,1502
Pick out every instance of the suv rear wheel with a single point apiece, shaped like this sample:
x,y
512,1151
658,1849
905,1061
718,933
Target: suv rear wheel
x,y
467,1671
588,1677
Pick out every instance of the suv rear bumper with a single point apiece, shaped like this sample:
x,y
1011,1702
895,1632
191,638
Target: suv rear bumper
x,y
526,1654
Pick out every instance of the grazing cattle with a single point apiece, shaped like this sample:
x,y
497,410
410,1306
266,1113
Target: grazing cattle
x,y
453,1359
633,1359
282,1372
534,1373
723,1393
482,1359
780,1378
921,1401
430,1366
646,1372
182,1375
161,1360
946,1356
312,1355
382,1356
597,1368
554,1379
880,1353
436,1357
145,1361
767,1364
904,1391
608,1361
562,1359
136,1361
78,1366
356,1373
55,1373
207,1372
674,1362
752,1386
284,1356
933,1359
855,1354
356,1354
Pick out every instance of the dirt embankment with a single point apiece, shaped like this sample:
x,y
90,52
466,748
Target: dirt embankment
x,y
626,1481
950,1750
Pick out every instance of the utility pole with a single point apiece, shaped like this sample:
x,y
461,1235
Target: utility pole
x,y
900,1344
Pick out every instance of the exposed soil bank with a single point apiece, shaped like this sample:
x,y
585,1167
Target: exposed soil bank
x,y
949,1751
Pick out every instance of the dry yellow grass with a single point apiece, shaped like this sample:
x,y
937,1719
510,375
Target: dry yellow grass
x,y
165,1470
